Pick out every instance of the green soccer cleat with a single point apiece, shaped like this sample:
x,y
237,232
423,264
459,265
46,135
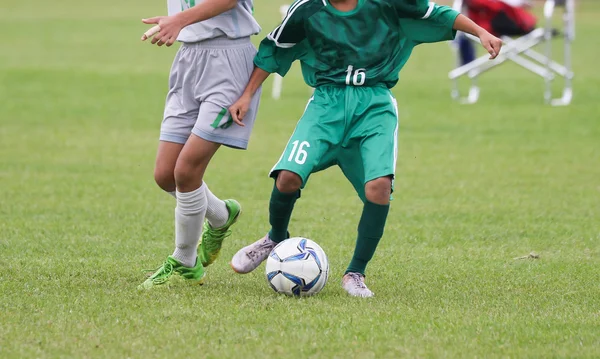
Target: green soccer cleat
x,y
212,238
171,266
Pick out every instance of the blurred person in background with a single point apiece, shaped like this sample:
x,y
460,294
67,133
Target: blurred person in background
x,y
499,17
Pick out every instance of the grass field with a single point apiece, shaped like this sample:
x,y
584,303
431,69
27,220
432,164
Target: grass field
x,y
80,107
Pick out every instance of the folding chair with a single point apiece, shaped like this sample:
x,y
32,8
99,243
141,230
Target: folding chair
x,y
520,51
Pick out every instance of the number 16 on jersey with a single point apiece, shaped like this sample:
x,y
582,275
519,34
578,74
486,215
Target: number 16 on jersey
x,y
355,77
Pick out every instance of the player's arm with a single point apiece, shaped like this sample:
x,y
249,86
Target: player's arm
x,y
239,109
433,23
490,42
168,27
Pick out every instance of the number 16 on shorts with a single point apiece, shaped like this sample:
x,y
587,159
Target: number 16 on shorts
x,y
298,153
294,159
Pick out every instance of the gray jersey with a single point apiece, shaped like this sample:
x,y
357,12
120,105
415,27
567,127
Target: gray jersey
x,y
235,23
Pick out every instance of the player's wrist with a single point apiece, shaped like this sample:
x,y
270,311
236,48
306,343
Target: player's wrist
x,y
480,32
248,93
184,18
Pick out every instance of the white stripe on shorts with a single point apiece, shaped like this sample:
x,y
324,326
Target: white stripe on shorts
x,y
395,104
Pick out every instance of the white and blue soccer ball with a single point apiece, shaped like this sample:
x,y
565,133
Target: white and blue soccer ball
x,y
297,267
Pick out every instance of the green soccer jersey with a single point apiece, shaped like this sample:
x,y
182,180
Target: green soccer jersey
x,y
366,46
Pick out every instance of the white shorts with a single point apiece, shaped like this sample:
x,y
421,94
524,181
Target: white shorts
x,y
206,78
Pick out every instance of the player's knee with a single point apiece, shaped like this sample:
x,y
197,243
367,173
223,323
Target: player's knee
x,y
288,182
165,179
186,175
379,190
189,171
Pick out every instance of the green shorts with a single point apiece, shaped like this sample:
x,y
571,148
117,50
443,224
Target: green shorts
x,y
355,128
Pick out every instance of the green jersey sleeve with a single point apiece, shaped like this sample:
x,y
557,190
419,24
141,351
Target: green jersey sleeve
x,y
414,9
274,59
278,50
291,30
437,26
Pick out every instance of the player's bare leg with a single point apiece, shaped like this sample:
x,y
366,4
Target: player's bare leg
x,y
164,169
285,193
370,231
192,202
192,163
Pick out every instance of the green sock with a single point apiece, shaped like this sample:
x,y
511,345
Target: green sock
x,y
370,231
280,212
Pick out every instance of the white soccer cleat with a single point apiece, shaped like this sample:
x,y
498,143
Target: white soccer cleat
x,y
354,284
250,257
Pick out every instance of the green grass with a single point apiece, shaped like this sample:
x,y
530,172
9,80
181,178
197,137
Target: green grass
x,y
80,107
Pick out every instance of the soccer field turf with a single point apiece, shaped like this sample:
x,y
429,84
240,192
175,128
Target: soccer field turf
x,y
81,100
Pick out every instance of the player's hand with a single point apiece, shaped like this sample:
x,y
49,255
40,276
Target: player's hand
x,y
165,32
239,109
491,43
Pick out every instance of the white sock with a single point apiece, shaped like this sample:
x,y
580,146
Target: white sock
x,y
172,193
216,212
189,217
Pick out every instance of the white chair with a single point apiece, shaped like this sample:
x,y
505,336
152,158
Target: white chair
x,y
520,51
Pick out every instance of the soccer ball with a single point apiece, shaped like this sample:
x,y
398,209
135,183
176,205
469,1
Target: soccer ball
x,y
297,267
